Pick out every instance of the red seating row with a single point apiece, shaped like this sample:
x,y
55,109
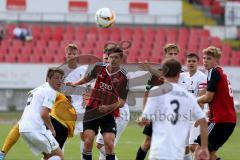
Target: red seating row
x,y
147,43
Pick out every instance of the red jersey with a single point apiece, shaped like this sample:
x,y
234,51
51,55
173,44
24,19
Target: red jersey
x,y
108,87
222,106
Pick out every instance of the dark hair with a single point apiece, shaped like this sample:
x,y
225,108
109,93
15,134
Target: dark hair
x,y
53,70
113,49
191,55
171,68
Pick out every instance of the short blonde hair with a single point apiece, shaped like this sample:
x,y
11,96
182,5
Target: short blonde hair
x,y
212,51
71,46
170,46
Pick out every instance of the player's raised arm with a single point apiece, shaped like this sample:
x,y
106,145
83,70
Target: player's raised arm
x,y
147,67
90,76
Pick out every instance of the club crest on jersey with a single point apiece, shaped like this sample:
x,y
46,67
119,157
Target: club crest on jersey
x,y
105,86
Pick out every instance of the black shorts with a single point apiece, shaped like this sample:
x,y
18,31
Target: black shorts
x,y
106,123
61,132
218,133
148,130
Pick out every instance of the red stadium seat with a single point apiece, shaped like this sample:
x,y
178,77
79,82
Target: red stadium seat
x,y
215,41
3,50
70,29
15,50
10,58
59,59
48,58
2,58
10,28
38,51
41,43
35,59
26,51
47,28
53,44
23,58
235,62
115,37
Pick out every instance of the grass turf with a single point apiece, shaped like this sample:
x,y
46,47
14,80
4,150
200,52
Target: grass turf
x,y
126,149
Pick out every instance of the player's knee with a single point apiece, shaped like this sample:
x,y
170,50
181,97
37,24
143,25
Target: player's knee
x,y
99,146
109,146
88,144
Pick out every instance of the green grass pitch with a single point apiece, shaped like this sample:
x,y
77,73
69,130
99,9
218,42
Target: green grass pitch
x,y
126,148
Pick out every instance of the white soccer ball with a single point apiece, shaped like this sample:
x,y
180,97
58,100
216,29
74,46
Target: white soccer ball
x,y
105,17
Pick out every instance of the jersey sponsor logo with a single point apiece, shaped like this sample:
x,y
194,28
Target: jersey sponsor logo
x,y
105,86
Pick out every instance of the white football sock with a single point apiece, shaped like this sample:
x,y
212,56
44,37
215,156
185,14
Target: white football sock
x,y
81,148
102,153
54,158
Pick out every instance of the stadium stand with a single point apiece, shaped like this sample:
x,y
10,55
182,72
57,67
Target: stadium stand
x,y
49,42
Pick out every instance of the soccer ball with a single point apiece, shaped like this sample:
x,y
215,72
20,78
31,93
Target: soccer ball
x,y
105,17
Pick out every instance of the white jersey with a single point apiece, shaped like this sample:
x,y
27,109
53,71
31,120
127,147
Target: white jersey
x,y
171,114
42,96
194,83
74,76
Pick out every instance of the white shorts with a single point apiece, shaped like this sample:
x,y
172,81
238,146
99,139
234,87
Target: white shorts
x,y
40,142
121,124
78,127
194,133
79,124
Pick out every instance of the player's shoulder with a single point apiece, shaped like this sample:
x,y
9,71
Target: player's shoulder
x,y
215,72
82,68
201,74
124,73
47,89
184,74
181,89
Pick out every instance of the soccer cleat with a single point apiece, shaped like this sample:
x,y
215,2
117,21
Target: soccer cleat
x,y
2,156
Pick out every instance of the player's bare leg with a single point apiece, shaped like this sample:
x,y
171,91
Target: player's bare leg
x,y
109,145
81,143
88,144
143,149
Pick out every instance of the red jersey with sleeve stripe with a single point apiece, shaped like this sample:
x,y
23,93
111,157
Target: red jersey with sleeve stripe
x,y
222,106
108,86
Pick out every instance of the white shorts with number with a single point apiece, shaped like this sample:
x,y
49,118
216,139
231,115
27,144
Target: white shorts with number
x,y
121,123
40,142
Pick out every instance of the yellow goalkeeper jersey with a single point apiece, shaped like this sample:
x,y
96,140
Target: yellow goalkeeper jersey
x,y
64,113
